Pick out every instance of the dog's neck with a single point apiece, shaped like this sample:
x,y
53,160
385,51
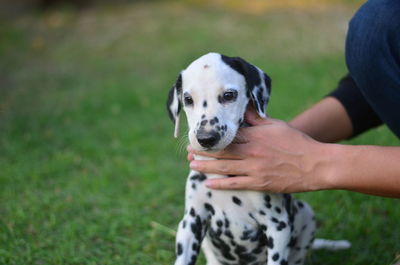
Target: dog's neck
x,y
199,157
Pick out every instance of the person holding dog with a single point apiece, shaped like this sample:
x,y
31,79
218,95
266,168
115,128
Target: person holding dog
x,y
301,156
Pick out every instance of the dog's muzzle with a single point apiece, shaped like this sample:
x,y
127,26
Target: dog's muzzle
x,y
208,139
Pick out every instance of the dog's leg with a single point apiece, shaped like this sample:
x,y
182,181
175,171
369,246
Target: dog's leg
x,y
278,239
278,227
304,226
207,250
191,231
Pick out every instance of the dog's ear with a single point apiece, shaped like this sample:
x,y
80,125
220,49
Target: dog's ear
x,y
258,83
174,103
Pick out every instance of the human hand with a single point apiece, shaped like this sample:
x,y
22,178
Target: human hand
x,y
272,156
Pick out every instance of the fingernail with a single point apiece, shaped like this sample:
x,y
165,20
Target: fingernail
x,y
209,183
193,164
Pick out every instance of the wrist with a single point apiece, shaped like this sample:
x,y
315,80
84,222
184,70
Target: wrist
x,y
330,158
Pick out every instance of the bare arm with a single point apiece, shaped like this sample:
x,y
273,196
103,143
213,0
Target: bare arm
x,y
368,169
327,121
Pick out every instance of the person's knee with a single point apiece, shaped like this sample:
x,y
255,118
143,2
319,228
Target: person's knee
x,y
372,32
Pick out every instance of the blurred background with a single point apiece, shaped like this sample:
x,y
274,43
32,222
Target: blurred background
x,y
89,170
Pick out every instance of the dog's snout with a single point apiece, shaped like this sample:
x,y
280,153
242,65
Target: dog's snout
x,y
208,139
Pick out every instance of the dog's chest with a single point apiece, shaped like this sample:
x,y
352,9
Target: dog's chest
x,y
236,220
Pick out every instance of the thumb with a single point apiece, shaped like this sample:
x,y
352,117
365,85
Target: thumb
x,y
253,118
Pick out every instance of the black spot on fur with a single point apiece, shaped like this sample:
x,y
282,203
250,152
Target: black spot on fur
x,y
195,247
275,257
262,212
227,223
192,212
204,122
209,194
193,260
205,104
199,177
228,233
270,242
196,228
214,121
209,208
240,249
224,248
284,262
281,226
244,256
246,235
287,201
267,200
236,200
257,250
179,249
292,242
278,210
226,220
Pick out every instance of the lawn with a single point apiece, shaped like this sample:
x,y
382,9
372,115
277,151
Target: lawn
x,y
87,157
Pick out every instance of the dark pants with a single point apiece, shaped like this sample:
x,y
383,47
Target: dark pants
x,y
373,57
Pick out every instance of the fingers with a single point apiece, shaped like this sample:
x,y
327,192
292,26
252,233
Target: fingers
x,y
190,156
234,183
220,167
231,152
252,117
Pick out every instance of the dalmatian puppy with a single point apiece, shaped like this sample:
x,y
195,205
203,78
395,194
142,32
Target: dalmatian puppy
x,y
233,227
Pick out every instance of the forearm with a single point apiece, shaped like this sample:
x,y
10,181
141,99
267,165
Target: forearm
x,y
367,169
326,121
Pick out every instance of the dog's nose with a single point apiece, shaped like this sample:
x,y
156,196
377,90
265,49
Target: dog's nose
x,y
208,139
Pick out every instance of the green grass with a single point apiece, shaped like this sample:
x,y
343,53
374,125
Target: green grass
x,y
87,157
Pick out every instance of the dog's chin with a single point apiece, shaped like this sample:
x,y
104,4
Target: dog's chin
x,y
199,148
213,149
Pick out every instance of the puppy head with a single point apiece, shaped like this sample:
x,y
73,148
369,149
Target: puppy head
x,y
214,91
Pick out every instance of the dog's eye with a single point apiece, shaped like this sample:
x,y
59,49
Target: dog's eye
x,y
229,95
188,100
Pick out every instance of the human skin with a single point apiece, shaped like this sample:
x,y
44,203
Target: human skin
x,y
296,157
